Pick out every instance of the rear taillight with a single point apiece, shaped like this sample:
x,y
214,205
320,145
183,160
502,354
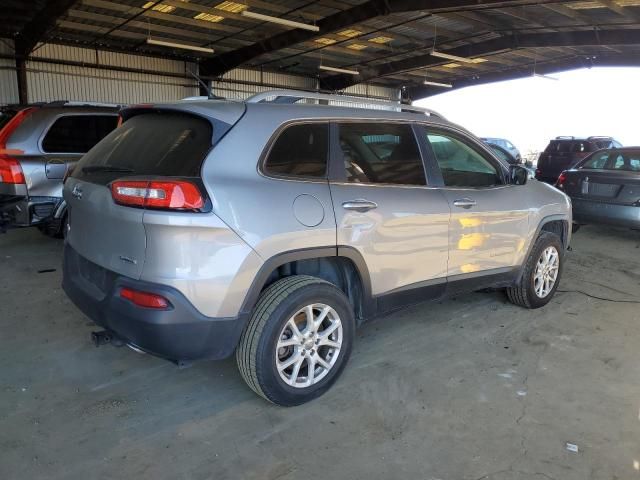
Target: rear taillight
x,y
561,179
166,194
144,299
10,170
538,172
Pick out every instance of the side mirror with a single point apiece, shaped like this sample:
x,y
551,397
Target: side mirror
x,y
518,175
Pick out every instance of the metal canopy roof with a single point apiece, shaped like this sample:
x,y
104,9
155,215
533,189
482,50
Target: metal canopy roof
x,y
387,41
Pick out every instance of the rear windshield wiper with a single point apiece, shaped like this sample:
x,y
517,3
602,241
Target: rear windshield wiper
x,y
106,168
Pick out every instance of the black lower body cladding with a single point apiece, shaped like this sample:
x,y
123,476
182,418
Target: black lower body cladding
x,y
180,333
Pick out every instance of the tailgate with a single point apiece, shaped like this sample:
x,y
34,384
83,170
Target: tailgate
x,y
103,232
605,186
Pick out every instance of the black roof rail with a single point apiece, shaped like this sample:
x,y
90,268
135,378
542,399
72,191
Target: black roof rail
x,y
604,137
565,137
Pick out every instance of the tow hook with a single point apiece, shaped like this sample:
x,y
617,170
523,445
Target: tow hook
x,y
103,337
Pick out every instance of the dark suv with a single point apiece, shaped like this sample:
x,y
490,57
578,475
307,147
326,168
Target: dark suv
x,y
565,152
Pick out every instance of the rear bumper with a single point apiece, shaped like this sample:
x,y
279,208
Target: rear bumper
x,y
179,334
586,211
19,210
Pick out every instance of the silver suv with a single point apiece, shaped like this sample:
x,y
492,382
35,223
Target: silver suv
x,y
38,143
203,228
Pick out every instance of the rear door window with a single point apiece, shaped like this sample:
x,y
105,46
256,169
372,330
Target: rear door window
x,y
597,161
300,151
381,153
77,133
151,144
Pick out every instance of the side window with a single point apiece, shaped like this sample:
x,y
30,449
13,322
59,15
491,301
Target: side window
x,y
381,153
78,133
509,145
460,164
300,151
597,161
617,144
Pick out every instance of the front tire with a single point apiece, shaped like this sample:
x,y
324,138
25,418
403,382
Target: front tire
x,y
298,340
541,274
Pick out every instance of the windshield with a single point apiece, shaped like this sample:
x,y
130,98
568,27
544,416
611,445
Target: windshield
x,y
150,144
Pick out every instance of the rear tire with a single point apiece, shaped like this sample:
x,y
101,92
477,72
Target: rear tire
x,y
575,227
541,275
55,228
287,358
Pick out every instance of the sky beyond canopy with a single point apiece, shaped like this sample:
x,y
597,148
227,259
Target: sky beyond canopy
x,y
531,111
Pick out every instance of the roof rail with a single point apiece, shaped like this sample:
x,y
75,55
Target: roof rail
x,y
565,137
293,96
605,137
67,103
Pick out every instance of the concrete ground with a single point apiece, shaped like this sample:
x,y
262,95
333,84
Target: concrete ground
x,y
472,388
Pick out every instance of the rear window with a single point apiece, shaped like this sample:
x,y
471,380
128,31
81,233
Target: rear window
x,y
5,116
151,144
77,133
568,146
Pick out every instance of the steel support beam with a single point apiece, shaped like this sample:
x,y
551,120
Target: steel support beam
x,y
493,46
42,22
373,8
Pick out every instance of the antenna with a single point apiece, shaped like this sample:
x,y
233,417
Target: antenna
x,y
207,88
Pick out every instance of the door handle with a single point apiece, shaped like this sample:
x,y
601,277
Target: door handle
x,y
464,203
359,205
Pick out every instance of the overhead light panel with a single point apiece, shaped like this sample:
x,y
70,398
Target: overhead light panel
x,y
208,17
325,40
279,21
380,40
339,70
456,58
452,65
233,7
184,46
438,84
350,33
160,7
356,46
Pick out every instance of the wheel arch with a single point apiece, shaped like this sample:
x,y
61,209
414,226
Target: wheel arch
x,y
342,266
558,224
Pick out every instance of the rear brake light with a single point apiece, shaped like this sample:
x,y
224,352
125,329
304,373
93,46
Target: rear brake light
x,y
10,170
561,179
167,194
12,124
144,299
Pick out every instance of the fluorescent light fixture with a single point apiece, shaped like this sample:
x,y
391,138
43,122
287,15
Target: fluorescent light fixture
x,y
455,58
438,84
163,43
280,21
546,77
339,70
356,46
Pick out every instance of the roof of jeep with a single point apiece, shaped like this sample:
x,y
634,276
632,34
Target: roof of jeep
x,y
226,110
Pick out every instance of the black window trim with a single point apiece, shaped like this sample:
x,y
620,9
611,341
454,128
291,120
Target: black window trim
x,y
70,114
261,167
338,174
480,147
